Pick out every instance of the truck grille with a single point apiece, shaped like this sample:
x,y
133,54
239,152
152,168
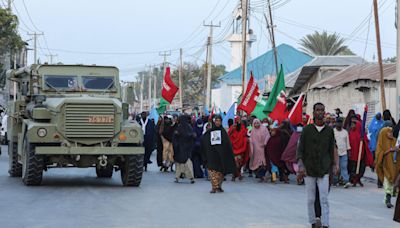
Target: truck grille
x,y
78,120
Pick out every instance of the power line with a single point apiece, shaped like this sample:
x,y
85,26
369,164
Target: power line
x,y
29,16
35,27
21,20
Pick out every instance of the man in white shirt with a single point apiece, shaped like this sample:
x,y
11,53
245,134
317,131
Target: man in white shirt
x,y
343,147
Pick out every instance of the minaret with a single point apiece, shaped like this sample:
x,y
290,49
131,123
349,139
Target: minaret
x,y
236,39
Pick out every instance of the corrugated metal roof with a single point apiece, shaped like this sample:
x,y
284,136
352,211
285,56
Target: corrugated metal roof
x,y
323,61
369,71
264,65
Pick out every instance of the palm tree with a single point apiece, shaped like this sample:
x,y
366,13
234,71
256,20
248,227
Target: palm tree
x,y
324,44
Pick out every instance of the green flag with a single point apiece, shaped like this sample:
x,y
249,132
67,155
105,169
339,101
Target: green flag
x,y
163,106
279,86
259,110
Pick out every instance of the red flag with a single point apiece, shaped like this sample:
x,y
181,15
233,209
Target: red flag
x,y
169,89
212,113
248,102
280,112
296,114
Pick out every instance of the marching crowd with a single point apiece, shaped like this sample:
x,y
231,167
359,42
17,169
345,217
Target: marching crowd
x,y
325,150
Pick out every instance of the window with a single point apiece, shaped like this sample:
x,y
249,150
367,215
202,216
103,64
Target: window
x,y
60,82
98,82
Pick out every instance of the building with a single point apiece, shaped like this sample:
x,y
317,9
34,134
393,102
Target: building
x,y
320,68
354,87
264,72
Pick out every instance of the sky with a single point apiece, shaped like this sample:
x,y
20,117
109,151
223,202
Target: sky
x,y
132,34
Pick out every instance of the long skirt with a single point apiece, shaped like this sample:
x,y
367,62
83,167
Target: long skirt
x,y
352,168
396,216
216,179
197,161
159,151
168,152
184,168
240,162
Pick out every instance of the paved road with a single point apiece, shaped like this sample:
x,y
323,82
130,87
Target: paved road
x,y
76,198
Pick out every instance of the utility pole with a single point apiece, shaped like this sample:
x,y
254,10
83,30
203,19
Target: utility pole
x,y
272,26
149,92
35,35
244,44
180,79
9,5
164,54
209,61
155,87
141,92
378,45
398,60
14,83
51,57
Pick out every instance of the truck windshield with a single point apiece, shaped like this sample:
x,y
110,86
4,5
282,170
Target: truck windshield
x,y
98,82
61,82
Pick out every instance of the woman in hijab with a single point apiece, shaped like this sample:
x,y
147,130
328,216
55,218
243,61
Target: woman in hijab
x,y
286,130
373,129
347,121
396,130
387,163
387,116
238,136
166,137
159,130
366,155
396,216
289,154
183,143
274,150
218,154
259,137
196,155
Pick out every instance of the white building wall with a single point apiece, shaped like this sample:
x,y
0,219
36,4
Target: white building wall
x,y
349,97
225,96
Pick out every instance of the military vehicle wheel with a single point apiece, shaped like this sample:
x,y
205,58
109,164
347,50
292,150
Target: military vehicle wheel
x,y
104,172
15,169
132,170
32,167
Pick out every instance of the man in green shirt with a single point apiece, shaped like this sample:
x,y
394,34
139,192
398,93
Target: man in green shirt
x,y
315,155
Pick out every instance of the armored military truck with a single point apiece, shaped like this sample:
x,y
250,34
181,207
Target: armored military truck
x,y
71,116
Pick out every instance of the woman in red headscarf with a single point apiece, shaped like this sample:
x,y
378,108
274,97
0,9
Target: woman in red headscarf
x,y
366,155
238,136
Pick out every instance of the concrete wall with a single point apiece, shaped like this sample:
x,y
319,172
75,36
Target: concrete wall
x,y
224,96
354,96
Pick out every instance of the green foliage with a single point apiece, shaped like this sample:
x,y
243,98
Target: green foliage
x,y
9,37
390,60
193,81
324,44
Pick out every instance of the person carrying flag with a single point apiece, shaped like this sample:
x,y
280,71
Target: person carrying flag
x,y
238,136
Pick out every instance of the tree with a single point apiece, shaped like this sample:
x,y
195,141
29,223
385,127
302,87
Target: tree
x,y
324,44
193,81
390,60
9,37
10,41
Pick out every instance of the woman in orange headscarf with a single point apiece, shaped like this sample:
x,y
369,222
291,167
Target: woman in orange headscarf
x,y
387,163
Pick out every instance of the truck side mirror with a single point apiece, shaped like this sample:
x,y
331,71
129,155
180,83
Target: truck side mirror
x,y
25,88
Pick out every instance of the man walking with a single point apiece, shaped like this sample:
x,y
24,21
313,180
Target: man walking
x,y
315,157
149,135
343,147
